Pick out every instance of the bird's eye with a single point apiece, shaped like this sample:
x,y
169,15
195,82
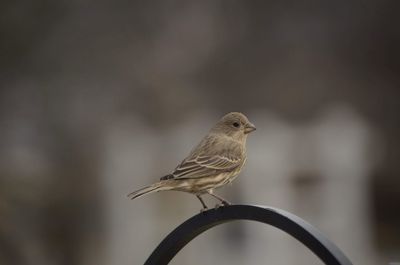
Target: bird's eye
x,y
236,124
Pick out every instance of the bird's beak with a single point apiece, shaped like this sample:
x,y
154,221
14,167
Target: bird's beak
x,y
249,128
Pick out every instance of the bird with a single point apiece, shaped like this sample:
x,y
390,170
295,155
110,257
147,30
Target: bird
x,y
213,163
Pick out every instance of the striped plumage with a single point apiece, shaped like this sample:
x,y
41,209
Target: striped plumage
x,y
214,162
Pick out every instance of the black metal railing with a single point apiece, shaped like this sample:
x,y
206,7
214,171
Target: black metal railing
x,y
285,221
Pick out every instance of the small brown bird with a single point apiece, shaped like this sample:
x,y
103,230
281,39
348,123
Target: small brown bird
x,y
214,162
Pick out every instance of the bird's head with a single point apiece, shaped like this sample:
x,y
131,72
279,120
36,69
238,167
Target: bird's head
x,y
235,125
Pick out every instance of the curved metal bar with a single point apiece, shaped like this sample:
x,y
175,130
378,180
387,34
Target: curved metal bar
x,y
285,221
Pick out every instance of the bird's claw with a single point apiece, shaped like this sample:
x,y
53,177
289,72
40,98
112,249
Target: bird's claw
x,y
203,209
222,204
218,205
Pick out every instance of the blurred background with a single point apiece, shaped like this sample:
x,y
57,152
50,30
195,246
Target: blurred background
x,y
99,98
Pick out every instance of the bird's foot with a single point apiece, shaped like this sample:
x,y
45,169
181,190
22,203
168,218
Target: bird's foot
x,y
203,209
218,205
222,204
226,203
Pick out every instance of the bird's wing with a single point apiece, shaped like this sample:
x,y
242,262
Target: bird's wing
x,y
203,166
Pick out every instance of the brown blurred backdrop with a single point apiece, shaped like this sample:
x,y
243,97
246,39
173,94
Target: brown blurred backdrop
x,y
98,98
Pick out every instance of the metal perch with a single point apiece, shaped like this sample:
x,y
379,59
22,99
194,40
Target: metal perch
x,y
285,221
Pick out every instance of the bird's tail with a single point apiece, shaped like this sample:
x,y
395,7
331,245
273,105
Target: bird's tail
x,y
156,187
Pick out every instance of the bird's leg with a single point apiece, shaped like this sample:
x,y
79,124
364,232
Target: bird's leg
x,y
222,200
202,202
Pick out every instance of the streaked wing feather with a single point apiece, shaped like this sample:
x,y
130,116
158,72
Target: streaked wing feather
x,y
197,172
222,163
203,166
